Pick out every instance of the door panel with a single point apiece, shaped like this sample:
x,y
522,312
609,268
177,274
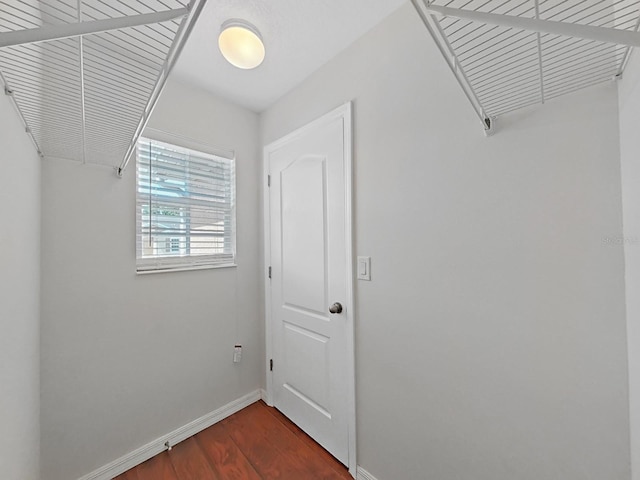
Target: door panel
x,y
306,355
308,208
303,205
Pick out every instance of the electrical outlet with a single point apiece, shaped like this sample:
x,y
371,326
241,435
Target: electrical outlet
x,y
237,354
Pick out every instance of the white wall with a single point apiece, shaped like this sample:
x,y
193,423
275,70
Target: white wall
x,y
490,343
629,97
126,358
19,300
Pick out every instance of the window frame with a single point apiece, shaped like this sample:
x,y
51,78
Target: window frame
x,y
170,262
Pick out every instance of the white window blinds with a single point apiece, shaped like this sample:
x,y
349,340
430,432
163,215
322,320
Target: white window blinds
x,y
185,208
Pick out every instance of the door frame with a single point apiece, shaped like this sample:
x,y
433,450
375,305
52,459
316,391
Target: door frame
x,y
345,112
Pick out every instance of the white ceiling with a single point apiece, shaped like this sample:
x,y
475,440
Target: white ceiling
x,y
299,36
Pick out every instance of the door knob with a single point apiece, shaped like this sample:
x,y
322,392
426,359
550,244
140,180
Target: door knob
x,y
335,308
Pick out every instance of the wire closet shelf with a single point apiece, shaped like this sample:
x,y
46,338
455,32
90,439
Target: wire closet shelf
x,y
511,54
84,75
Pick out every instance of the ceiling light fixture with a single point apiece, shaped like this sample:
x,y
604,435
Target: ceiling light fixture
x,y
241,44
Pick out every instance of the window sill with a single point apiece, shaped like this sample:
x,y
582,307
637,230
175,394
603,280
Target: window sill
x,y
185,269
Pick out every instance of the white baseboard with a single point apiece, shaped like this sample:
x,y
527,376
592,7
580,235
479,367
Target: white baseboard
x,y
151,449
362,474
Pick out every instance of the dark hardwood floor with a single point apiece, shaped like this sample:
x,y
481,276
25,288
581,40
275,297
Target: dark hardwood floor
x,y
257,443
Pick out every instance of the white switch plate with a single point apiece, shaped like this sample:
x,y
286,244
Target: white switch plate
x,y
364,268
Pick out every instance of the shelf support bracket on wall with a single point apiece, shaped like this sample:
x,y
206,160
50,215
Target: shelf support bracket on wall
x,y
452,61
195,8
8,91
83,112
539,44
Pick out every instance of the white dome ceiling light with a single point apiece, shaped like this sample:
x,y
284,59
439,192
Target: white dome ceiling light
x,y
241,44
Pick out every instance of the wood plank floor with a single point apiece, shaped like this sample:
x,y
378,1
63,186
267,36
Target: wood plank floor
x,y
257,443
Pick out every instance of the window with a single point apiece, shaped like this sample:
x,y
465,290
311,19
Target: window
x,y
185,208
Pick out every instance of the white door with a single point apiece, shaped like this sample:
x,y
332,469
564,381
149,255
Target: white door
x,y
310,291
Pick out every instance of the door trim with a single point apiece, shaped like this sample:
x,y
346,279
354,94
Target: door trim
x,y
345,112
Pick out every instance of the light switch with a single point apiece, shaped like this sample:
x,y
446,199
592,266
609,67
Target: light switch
x,y
364,268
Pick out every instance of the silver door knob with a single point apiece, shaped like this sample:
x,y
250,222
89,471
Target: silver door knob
x,y
335,308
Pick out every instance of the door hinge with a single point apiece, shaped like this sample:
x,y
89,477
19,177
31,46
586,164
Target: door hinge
x,y
271,365
268,180
269,272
